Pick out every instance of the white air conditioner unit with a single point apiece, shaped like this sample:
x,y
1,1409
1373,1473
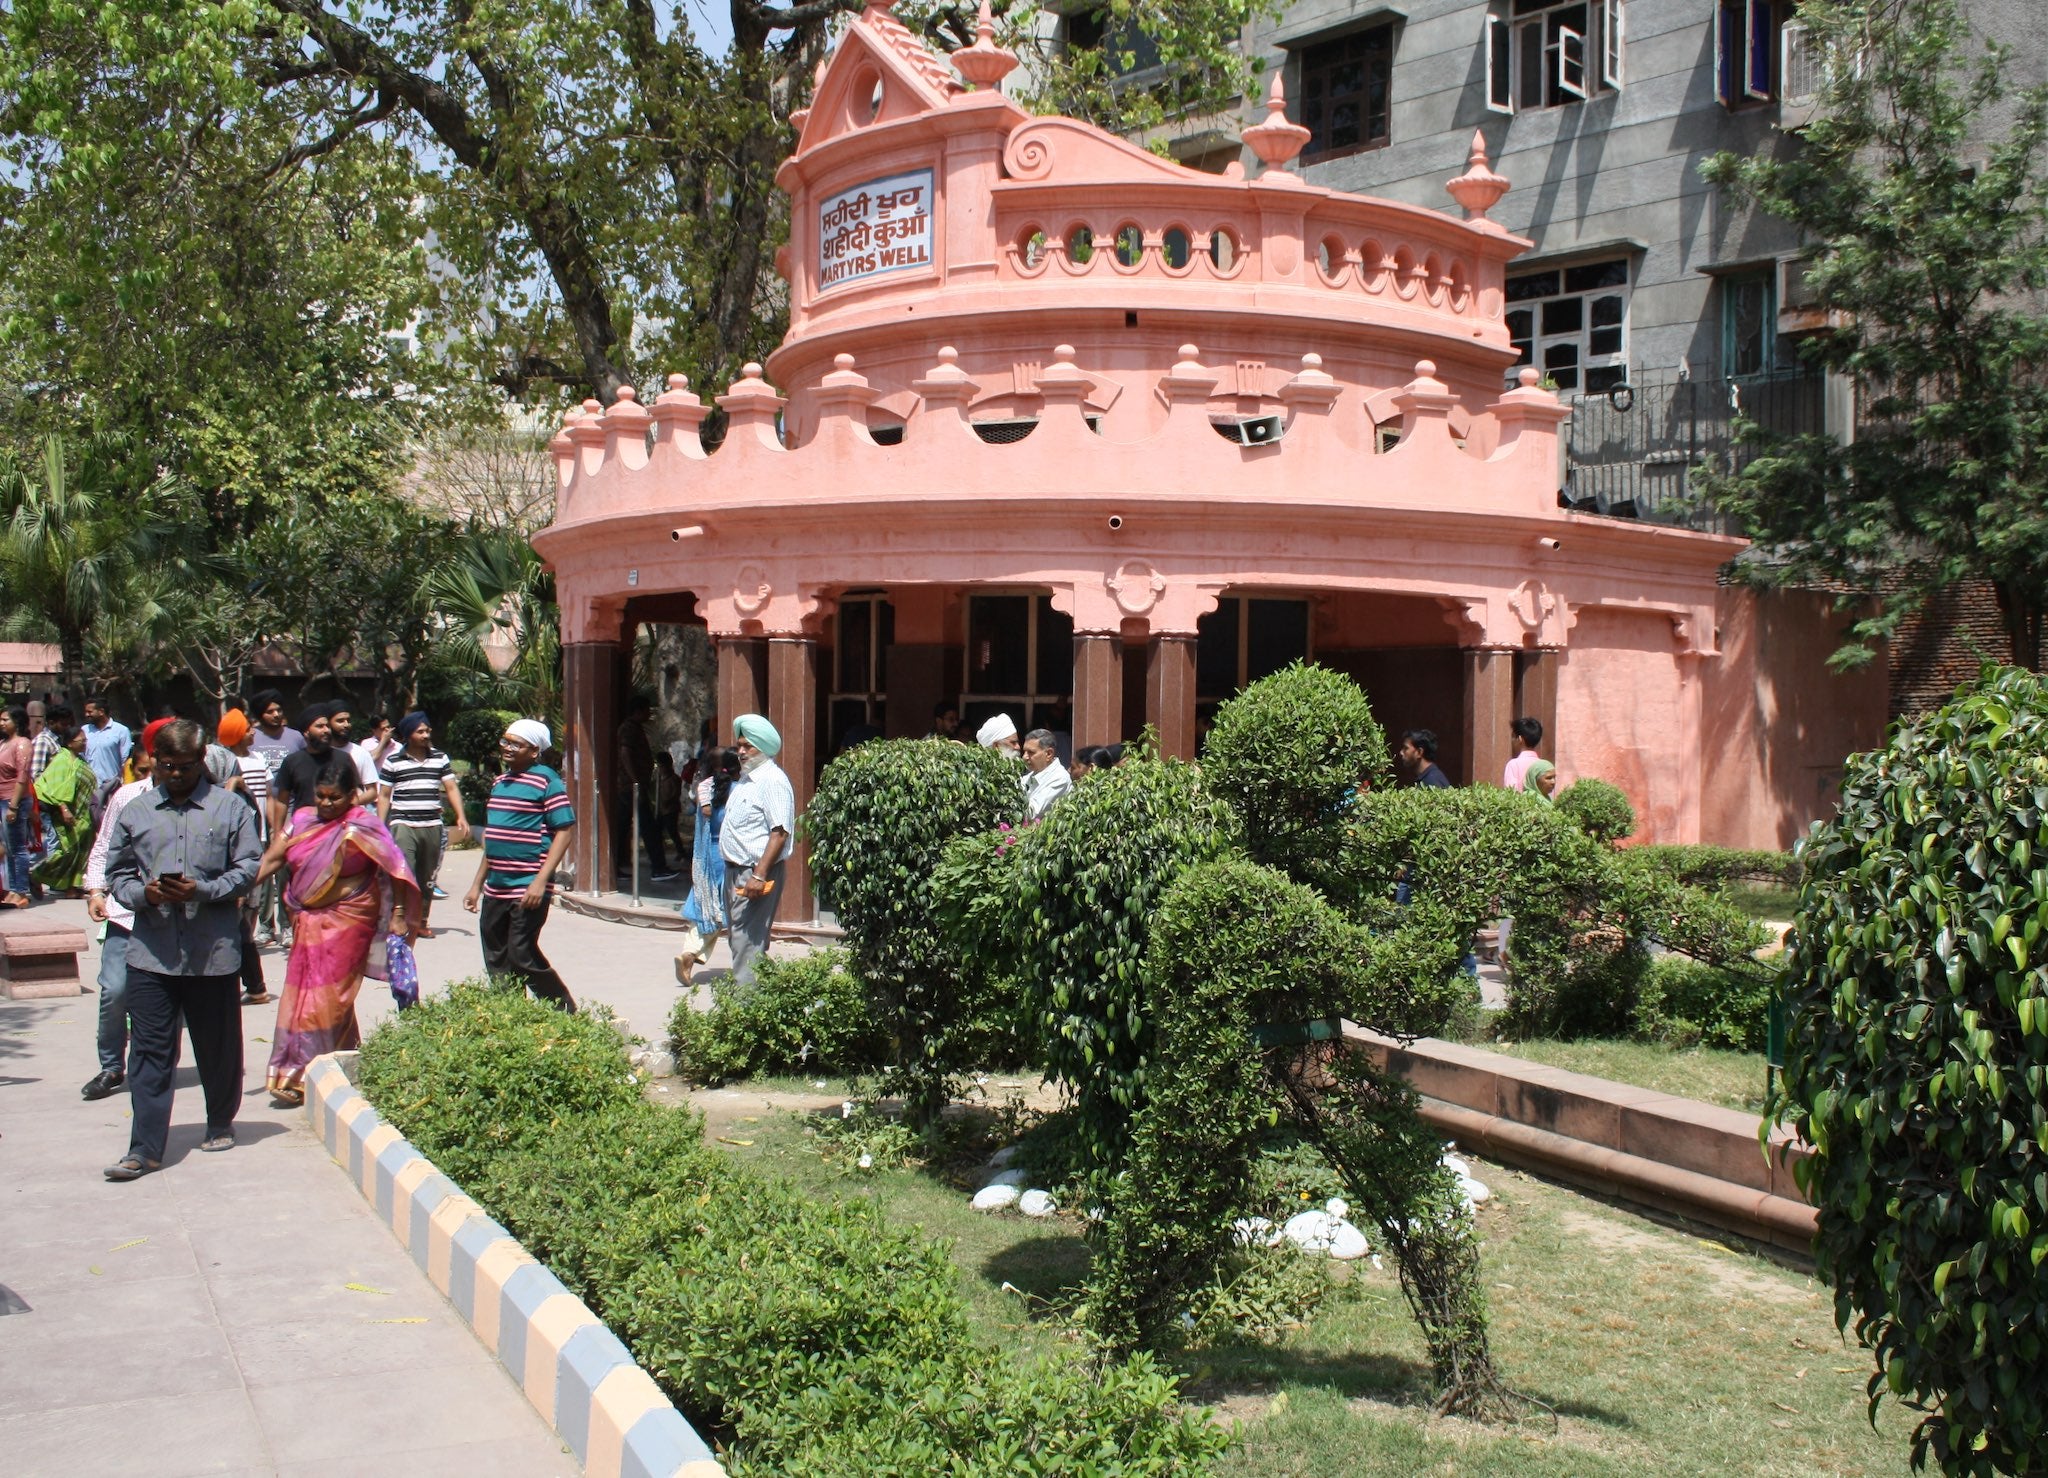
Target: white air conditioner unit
x,y
1801,75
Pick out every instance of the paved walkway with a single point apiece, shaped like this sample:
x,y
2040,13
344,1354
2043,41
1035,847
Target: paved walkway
x,y
246,1312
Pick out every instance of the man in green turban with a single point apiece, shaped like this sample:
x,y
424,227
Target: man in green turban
x,y
760,819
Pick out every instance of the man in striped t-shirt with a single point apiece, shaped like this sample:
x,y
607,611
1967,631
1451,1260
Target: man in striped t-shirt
x,y
527,827
416,779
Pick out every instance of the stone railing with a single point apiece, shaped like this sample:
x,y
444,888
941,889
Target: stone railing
x,y
633,459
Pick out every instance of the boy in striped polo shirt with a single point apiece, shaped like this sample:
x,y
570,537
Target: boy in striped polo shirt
x,y
527,827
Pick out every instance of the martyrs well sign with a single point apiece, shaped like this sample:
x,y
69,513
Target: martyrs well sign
x,y
881,226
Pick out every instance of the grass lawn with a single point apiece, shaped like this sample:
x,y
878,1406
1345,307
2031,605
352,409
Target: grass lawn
x,y
1731,1079
1772,901
1662,1353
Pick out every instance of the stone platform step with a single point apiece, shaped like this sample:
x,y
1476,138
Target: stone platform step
x,y
1673,1155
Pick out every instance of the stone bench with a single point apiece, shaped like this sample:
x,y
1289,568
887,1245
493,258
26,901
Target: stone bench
x,y
39,960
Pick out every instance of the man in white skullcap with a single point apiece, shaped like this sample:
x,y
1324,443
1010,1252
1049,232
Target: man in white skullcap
x,y
760,818
528,823
999,734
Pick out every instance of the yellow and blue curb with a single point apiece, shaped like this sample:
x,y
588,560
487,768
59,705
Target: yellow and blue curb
x,y
574,1370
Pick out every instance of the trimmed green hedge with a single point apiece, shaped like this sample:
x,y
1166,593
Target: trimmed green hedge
x,y
807,1338
809,1014
1703,866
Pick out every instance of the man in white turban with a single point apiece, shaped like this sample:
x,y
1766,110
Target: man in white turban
x,y
528,822
760,818
999,734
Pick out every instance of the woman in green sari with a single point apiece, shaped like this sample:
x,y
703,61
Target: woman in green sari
x,y
66,790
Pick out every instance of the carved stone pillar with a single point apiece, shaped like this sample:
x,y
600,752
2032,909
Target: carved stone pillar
x,y
793,709
1489,708
1170,694
1098,688
591,701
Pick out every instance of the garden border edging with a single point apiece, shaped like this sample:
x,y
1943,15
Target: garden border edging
x,y
574,1371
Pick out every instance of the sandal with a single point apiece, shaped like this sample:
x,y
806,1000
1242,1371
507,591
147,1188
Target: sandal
x,y
287,1098
131,1167
685,963
218,1142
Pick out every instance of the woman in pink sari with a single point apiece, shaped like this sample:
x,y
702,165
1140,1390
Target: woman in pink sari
x,y
350,890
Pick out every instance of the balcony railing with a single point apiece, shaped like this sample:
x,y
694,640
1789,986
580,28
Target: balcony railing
x,y
1630,452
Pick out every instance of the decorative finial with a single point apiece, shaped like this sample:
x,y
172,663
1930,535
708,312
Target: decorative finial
x,y
1478,189
1530,377
678,383
1276,141
984,64
628,394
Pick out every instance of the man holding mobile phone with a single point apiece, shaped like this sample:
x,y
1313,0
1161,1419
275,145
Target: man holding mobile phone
x,y
179,858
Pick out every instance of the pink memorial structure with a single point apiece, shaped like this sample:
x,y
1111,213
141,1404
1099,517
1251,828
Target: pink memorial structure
x,y
1068,430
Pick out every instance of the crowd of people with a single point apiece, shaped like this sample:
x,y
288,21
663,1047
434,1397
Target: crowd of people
x,y
192,852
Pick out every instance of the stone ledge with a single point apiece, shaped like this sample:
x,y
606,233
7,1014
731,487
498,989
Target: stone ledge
x,y
574,1371
1670,1154
39,960
618,908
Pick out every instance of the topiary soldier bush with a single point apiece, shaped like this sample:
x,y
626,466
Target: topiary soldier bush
x,y
1087,879
878,827
1290,754
1600,810
1917,1068
806,1014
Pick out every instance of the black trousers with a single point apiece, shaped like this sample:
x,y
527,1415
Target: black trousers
x,y
209,1007
511,940
252,962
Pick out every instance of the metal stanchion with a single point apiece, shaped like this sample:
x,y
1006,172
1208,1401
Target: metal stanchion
x,y
596,810
636,844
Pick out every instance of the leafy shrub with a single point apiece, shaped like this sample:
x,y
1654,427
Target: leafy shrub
x,y
878,826
1061,1416
1917,1067
481,1072
1600,810
475,787
473,735
1087,878
1687,1003
812,1336
806,1014
1707,867
1289,754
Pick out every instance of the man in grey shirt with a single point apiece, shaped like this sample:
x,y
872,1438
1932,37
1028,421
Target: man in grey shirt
x,y
179,857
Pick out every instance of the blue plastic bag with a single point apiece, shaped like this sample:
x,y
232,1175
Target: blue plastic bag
x,y
402,970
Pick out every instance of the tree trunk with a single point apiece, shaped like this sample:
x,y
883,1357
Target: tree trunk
x,y
2022,613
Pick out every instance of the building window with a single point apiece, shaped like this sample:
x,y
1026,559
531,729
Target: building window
x,y
864,631
1020,661
1244,639
1749,325
1546,53
1746,43
1344,87
1572,324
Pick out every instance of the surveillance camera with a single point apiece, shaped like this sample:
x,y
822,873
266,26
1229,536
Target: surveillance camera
x,y
1116,521
1552,545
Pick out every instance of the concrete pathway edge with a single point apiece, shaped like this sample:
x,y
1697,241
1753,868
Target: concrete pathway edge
x,y
575,1372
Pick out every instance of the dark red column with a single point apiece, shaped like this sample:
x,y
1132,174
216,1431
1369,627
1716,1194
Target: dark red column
x,y
793,709
1489,708
1098,689
1170,695
591,700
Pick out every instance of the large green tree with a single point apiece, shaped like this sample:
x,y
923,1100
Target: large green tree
x,y
596,188
1920,185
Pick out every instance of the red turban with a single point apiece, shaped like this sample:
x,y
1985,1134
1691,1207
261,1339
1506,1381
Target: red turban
x,y
149,734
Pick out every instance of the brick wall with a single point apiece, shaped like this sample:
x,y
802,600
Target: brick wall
x,y
1943,646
